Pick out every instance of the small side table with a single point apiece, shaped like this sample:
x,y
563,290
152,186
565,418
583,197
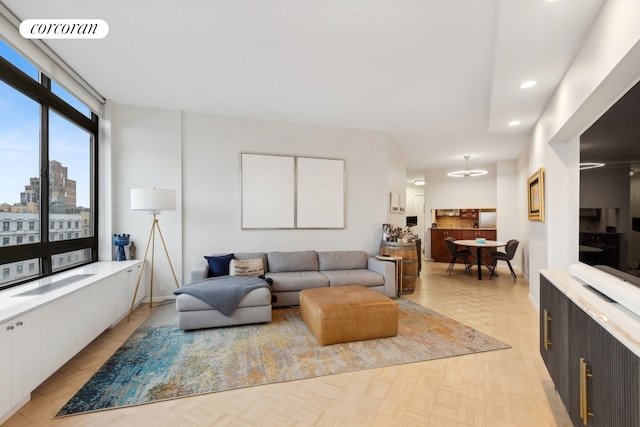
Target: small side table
x,y
397,261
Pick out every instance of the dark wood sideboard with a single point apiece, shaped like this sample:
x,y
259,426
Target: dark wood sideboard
x,y
596,376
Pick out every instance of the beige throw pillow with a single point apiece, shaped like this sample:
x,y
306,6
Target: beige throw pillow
x,y
249,267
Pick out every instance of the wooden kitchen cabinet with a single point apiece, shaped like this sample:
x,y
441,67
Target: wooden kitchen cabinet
x,y
469,213
439,252
472,234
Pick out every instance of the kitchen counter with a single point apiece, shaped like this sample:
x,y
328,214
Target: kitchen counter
x,y
462,228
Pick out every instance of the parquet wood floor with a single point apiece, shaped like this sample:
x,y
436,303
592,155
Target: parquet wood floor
x,y
494,389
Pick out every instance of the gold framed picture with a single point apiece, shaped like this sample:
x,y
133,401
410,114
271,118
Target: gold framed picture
x,y
535,199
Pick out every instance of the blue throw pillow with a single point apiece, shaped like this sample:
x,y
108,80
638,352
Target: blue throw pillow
x,y
219,265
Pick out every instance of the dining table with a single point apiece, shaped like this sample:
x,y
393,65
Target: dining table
x,y
482,246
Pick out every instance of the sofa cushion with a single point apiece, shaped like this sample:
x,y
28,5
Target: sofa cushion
x,y
219,265
250,267
342,260
293,261
353,277
297,280
253,255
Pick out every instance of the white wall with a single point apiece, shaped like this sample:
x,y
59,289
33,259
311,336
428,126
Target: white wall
x,y
602,71
520,197
510,213
199,156
445,192
212,186
396,182
415,207
146,153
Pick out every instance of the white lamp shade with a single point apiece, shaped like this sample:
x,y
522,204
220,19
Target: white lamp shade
x,y
153,200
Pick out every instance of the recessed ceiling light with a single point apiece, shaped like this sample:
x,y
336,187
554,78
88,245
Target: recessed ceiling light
x,y
514,122
528,84
589,165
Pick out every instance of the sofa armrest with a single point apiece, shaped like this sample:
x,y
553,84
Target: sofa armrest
x,y
199,271
388,270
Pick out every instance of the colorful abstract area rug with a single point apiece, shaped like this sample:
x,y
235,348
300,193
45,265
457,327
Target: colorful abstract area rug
x,y
160,361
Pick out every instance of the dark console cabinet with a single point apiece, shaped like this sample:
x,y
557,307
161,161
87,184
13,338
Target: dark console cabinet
x,y
596,376
554,321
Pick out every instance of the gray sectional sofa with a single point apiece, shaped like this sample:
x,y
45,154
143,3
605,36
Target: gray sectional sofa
x,y
294,271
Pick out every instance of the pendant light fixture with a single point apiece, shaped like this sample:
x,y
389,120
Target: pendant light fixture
x,y
467,172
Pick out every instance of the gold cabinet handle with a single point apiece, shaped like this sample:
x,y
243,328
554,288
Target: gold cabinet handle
x,y
584,402
545,336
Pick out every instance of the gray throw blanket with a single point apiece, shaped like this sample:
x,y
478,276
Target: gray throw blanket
x,y
222,293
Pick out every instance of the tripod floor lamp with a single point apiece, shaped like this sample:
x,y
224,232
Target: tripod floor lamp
x,y
154,201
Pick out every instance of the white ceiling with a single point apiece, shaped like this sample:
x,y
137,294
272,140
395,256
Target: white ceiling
x,y
440,76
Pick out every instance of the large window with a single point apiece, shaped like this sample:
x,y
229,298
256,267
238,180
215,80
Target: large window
x,y
48,147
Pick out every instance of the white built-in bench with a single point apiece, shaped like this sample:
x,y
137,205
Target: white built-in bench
x,y
43,324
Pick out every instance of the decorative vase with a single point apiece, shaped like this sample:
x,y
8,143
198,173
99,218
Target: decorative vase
x,y
121,240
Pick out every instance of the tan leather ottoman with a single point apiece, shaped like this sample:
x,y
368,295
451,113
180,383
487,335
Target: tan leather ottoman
x,y
348,313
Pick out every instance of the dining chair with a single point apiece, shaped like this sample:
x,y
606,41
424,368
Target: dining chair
x,y
507,255
456,253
